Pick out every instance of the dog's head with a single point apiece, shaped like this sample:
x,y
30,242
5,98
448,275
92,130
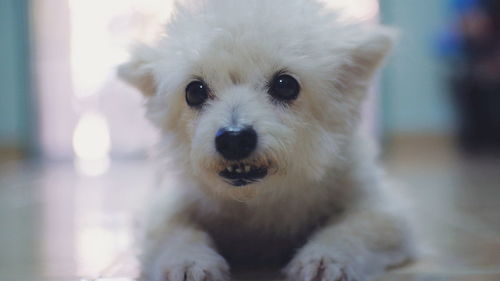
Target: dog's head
x,y
257,91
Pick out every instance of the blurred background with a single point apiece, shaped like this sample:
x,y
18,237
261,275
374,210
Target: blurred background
x,y
74,142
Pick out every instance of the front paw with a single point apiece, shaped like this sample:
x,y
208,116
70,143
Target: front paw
x,y
319,268
196,267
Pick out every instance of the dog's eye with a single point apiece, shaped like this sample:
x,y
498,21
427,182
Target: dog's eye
x,y
284,87
196,93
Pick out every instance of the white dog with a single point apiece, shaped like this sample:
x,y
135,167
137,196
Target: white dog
x,y
259,103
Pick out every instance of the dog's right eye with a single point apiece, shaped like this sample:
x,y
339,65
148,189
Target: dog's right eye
x,y
196,93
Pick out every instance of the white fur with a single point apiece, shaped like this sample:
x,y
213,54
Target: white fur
x,y
321,198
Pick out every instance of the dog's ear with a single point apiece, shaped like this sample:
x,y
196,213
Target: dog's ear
x,y
370,51
138,71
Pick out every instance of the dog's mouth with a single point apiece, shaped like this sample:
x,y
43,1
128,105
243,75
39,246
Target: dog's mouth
x,y
241,174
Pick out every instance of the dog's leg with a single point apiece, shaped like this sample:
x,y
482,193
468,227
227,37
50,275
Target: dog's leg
x,y
357,247
181,252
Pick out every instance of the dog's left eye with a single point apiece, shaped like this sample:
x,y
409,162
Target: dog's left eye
x,y
196,93
284,87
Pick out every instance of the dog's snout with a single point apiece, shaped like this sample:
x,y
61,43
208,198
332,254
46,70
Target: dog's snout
x,y
236,143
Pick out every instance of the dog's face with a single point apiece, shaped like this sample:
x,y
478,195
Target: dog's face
x,y
259,93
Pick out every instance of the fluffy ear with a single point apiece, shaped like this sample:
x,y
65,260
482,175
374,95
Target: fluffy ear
x,y
370,51
138,72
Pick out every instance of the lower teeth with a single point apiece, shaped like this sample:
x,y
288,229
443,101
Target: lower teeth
x,y
240,169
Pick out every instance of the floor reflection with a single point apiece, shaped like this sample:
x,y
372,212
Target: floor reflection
x,y
57,224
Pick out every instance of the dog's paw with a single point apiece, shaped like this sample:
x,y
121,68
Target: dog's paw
x,y
195,268
319,268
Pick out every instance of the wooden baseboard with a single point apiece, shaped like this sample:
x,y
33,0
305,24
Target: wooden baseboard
x,y
422,140
10,153
422,146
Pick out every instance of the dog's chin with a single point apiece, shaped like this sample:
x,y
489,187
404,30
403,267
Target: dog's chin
x,y
241,174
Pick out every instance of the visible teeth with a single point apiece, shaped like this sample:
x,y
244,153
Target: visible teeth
x,y
247,168
238,170
229,168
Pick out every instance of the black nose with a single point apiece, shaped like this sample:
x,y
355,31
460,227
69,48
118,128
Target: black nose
x,y
235,143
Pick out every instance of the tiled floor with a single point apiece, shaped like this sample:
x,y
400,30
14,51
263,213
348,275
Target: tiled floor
x,y
56,224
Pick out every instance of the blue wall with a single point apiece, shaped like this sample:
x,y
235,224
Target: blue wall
x,y
415,98
15,112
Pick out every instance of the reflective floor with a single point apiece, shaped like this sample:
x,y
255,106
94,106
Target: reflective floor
x,y
58,224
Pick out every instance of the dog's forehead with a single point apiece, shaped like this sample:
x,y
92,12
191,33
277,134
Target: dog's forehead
x,y
240,61
248,39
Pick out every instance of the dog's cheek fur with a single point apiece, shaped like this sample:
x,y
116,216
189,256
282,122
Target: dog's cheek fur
x,y
332,98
